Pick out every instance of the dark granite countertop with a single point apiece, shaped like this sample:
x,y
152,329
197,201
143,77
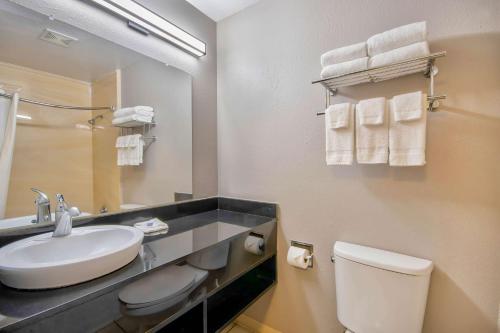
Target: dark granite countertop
x,y
21,307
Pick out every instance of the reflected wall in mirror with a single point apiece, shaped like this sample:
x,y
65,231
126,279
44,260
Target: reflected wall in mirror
x,y
74,152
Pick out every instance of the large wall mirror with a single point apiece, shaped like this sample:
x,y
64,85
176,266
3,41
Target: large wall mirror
x,y
73,151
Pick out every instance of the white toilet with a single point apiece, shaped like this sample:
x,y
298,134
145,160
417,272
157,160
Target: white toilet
x,y
380,291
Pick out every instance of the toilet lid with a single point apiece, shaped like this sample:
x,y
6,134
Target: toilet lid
x,y
159,286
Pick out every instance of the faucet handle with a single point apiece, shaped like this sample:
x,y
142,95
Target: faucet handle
x,y
42,197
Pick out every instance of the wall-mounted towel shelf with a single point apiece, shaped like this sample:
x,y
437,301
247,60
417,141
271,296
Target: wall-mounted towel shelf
x,y
423,65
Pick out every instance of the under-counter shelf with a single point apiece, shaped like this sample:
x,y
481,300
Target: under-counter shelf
x,y
423,65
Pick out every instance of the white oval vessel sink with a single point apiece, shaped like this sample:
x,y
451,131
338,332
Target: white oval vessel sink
x,y
42,261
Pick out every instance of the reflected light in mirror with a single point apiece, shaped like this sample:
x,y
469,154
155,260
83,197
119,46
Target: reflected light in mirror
x,y
155,24
24,117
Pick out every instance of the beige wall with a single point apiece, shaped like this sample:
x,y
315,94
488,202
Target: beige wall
x,y
271,147
51,153
106,92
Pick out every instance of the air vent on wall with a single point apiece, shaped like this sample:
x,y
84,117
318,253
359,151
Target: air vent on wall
x,y
57,38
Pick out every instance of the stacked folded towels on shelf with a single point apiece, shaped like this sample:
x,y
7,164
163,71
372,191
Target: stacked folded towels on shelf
x,y
138,114
130,149
344,60
392,46
399,44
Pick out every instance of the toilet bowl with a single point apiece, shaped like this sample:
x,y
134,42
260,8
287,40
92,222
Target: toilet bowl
x,y
380,291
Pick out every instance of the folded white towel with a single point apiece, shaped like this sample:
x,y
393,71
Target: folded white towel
x,y
344,68
140,109
132,118
407,139
408,106
130,150
396,38
397,55
337,116
372,131
371,111
339,141
343,54
154,226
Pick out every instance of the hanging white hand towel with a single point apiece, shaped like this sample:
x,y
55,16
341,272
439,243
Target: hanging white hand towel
x,y
344,68
343,54
339,132
397,37
397,55
372,131
407,137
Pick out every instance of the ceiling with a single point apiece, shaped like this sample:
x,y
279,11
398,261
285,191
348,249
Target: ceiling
x,y
87,59
219,9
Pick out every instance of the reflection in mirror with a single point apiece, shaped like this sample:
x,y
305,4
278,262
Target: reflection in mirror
x,y
72,151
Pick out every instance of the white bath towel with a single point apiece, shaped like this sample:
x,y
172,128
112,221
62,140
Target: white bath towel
x,y
396,38
153,226
371,111
407,139
372,131
140,110
130,150
344,68
397,55
132,118
338,115
408,106
339,141
343,54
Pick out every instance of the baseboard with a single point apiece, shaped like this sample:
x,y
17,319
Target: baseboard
x,y
254,326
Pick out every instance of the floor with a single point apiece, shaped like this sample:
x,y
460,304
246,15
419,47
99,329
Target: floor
x,y
235,328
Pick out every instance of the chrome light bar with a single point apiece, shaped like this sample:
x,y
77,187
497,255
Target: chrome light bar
x,y
145,21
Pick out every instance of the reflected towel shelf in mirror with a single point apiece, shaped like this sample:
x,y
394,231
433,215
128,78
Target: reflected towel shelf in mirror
x,y
423,65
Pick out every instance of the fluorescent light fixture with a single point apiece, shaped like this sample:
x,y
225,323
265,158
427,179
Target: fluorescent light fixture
x,y
22,116
145,21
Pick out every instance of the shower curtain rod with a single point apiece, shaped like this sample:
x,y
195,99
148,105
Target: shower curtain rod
x,y
88,108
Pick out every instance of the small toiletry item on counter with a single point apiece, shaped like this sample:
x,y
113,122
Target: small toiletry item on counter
x,y
152,227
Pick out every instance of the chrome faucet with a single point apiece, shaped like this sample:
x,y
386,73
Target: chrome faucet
x,y
42,203
64,217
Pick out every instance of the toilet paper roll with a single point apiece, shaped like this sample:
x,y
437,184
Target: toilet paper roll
x,y
255,245
298,257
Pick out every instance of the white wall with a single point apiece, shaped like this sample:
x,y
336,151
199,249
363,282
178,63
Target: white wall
x,y
271,147
204,70
168,162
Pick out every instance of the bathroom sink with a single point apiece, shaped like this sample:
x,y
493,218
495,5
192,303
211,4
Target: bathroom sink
x,y
43,262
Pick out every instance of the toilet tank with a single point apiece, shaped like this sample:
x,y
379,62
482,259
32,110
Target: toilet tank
x,y
380,291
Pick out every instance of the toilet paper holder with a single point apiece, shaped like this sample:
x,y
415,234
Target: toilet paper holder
x,y
306,246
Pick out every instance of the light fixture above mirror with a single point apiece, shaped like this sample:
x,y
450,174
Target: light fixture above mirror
x,y
145,21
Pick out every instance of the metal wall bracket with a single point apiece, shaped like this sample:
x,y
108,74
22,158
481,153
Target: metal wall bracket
x,y
306,246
